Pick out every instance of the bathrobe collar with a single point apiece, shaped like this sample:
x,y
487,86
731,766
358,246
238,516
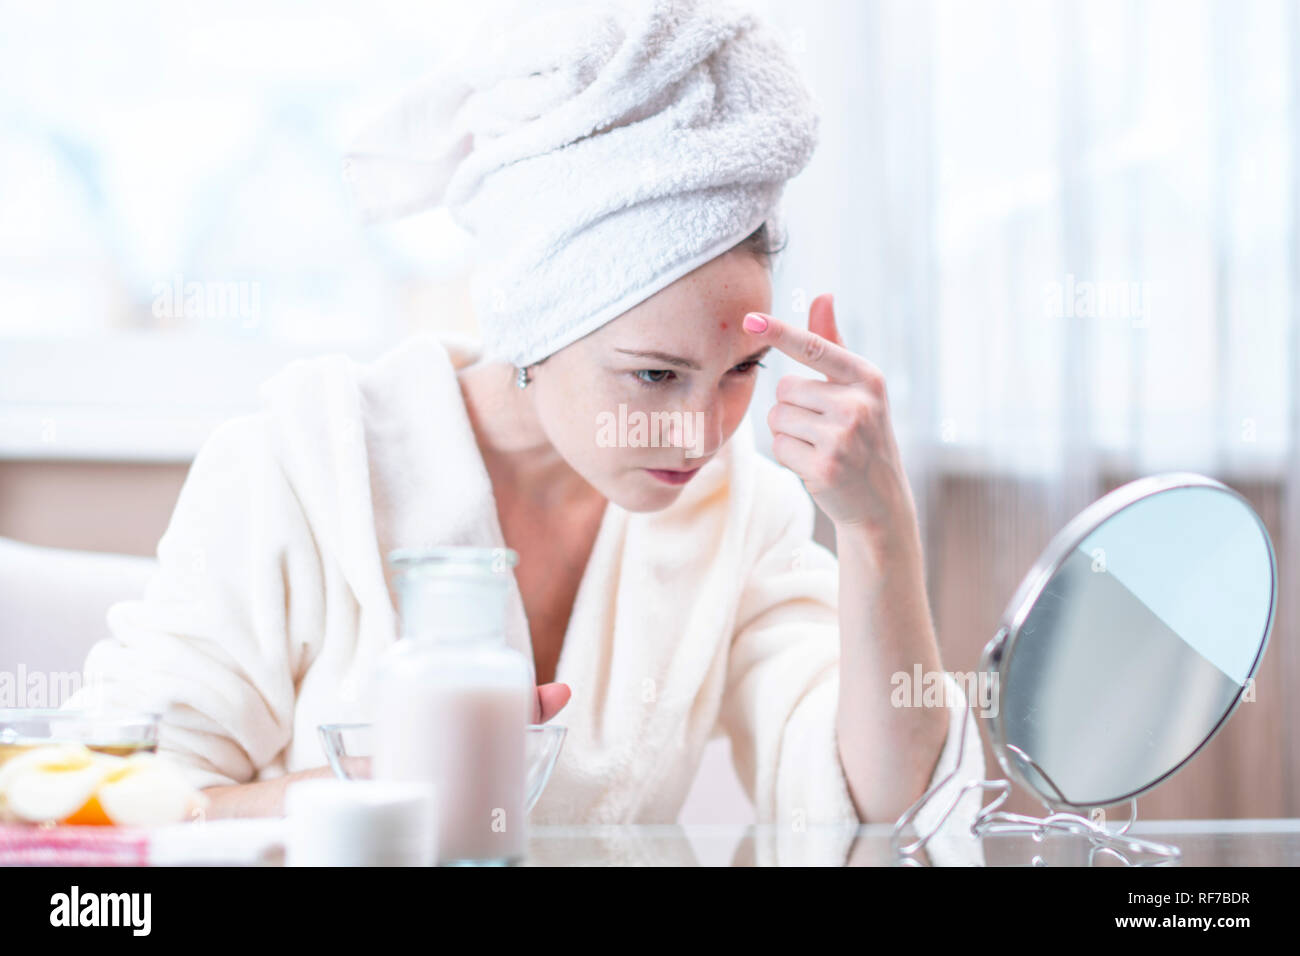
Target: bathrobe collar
x,y
620,652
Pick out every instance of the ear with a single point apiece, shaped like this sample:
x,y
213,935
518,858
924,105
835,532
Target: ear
x,y
821,318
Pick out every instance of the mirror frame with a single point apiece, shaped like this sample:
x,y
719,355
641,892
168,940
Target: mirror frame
x,y
998,652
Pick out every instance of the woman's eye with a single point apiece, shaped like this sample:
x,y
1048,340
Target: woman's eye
x,y
653,376
659,376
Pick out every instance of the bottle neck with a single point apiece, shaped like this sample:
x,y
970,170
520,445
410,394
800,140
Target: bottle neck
x,y
454,610
443,635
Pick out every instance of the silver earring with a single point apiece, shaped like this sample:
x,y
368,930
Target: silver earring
x,y
522,378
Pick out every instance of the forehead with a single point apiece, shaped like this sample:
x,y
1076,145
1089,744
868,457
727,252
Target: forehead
x,y
723,289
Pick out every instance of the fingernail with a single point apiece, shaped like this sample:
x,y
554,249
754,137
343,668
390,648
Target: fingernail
x,y
755,323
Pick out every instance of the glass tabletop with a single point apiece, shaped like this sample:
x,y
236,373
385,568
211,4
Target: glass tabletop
x,y
1211,843
1202,842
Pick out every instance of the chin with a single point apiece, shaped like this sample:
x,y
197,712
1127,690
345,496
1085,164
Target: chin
x,y
644,506
638,494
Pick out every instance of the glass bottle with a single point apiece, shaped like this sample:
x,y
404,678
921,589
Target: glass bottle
x,y
453,700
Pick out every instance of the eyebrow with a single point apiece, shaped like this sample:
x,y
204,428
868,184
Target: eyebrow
x,y
687,363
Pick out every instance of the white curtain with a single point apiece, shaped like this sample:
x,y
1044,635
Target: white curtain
x,y
1065,230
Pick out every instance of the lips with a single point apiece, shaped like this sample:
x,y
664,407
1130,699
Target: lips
x,y
670,477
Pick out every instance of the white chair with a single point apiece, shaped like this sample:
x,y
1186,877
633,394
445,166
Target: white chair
x,y
53,603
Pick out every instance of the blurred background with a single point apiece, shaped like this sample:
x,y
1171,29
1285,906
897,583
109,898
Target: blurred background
x,y
1065,230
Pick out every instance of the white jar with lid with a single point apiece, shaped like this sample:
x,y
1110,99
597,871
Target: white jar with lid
x,y
359,823
452,700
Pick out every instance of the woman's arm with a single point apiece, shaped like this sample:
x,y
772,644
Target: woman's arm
x,y
264,798
228,622
837,437
889,753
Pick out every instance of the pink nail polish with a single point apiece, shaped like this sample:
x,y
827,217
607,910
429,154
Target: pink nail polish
x,y
755,323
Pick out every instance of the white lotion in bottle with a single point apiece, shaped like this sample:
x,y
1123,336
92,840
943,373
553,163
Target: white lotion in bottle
x,y
453,701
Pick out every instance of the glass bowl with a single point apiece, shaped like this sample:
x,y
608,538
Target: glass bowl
x,y
348,747
120,733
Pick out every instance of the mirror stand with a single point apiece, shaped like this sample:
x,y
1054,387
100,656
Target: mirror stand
x,y
1116,845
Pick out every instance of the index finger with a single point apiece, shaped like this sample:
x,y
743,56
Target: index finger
x,y
837,363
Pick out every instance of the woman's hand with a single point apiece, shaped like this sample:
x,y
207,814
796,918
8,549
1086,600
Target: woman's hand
x,y
550,700
836,434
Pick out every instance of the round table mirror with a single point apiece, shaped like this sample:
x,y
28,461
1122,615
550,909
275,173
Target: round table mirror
x,y
1131,640
1126,648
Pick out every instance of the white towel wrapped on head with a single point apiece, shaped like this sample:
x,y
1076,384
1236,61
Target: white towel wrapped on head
x,y
597,150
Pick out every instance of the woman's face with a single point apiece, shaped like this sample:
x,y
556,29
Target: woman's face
x,y
656,392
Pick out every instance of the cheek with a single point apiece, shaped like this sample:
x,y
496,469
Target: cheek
x,y
573,426
736,403
573,417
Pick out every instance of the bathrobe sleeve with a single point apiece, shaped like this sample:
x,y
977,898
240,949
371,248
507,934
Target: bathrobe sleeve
x,y
779,706
228,621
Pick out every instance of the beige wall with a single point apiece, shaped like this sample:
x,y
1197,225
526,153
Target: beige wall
x,y
91,506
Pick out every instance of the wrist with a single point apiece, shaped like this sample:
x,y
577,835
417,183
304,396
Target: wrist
x,y
882,544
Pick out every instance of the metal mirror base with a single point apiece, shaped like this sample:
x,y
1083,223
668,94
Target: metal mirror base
x,y
1115,845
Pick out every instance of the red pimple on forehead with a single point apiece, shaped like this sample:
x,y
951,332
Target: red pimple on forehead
x,y
724,325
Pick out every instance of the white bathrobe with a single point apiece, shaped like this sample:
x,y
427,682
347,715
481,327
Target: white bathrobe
x,y
273,600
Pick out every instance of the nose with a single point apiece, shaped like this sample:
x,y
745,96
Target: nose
x,y
702,431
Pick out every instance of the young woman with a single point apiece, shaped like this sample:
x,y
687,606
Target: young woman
x,y
666,594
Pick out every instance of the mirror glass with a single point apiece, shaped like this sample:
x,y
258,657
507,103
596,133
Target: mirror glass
x,y
1131,641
